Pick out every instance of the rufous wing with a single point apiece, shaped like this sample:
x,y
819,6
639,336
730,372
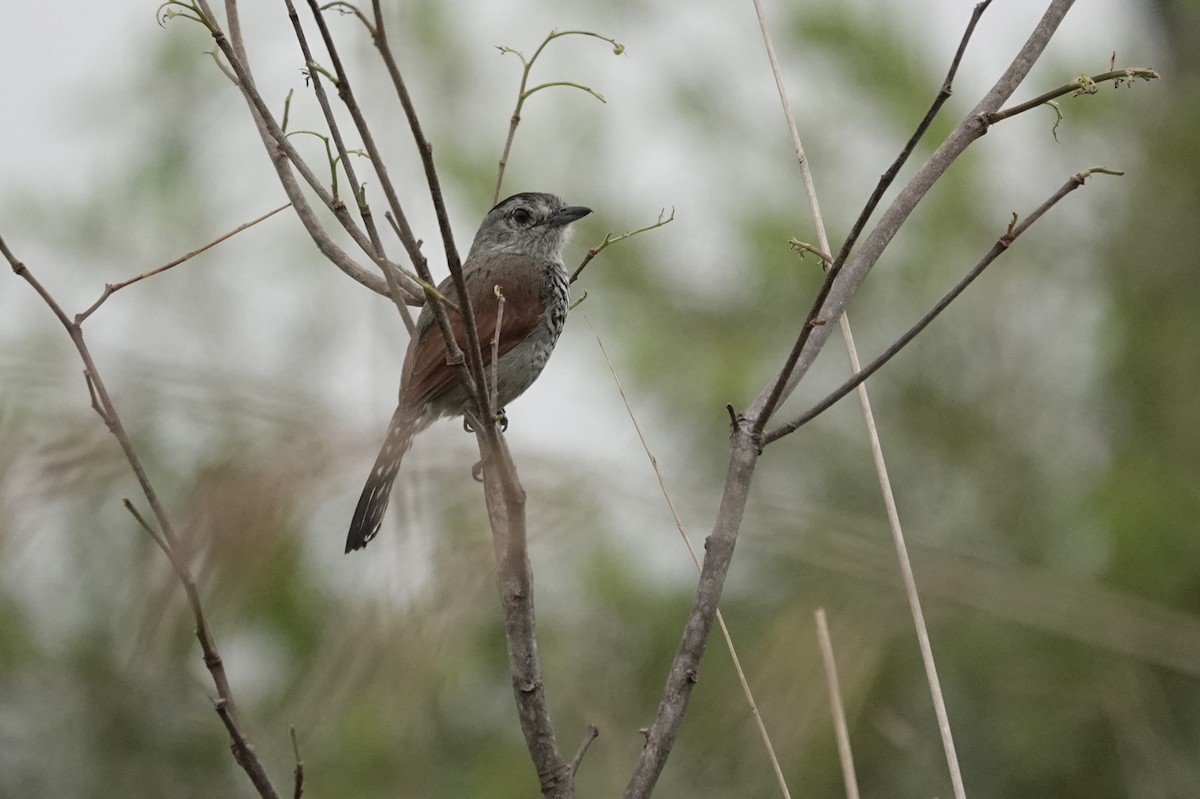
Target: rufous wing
x,y
520,280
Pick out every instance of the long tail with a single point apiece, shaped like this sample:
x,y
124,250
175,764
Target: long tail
x,y
374,500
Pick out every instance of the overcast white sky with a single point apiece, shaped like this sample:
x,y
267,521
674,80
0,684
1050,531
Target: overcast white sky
x,y
57,58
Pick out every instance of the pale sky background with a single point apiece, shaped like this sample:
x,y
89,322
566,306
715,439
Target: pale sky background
x,y
64,62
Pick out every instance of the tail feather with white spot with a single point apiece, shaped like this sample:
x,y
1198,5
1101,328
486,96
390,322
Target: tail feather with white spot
x,y
374,500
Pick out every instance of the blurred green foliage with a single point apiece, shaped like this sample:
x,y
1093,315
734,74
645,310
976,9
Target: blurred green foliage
x,y
1043,439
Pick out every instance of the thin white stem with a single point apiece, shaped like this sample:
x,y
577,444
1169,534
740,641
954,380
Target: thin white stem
x,y
810,189
840,729
737,663
885,485
910,583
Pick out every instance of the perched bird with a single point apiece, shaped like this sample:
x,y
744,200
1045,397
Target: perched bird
x,y
517,250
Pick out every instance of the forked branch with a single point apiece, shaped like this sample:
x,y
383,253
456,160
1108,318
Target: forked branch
x,y
524,91
813,317
1082,85
840,288
746,437
611,239
1001,246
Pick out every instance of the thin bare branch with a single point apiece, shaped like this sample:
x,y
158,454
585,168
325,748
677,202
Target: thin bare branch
x,y
335,132
514,579
285,158
349,8
889,176
495,382
113,288
145,525
1082,85
852,350
812,339
591,734
502,488
428,288
803,247
685,668
610,239
999,248
242,750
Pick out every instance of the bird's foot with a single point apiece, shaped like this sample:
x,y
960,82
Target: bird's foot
x,y
471,424
477,472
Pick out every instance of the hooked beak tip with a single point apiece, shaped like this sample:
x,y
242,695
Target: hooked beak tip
x,y
567,215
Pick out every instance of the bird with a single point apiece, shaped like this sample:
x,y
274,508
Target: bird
x,y
517,253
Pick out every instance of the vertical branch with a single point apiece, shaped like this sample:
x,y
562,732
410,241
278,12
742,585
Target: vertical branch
x,y
503,493
685,668
478,379
493,397
841,731
514,579
424,147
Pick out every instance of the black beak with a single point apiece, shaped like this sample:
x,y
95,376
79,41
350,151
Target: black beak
x,y
567,215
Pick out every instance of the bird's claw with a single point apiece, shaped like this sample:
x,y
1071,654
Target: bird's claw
x,y
477,472
471,426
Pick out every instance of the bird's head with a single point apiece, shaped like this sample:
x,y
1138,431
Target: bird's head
x,y
532,223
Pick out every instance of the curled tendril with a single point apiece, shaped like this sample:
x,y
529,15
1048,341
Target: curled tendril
x,y
344,8
172,10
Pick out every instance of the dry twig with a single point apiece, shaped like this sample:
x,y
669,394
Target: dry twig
x,y
840,728
165,537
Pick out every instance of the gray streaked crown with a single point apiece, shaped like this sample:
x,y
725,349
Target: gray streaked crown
x,y
531,223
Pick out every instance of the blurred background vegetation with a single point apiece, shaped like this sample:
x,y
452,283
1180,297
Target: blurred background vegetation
x,y
1043,437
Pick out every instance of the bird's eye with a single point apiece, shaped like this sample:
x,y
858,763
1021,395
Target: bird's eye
x,y
522,216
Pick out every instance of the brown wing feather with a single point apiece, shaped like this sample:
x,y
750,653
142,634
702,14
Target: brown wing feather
x,y
426,374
